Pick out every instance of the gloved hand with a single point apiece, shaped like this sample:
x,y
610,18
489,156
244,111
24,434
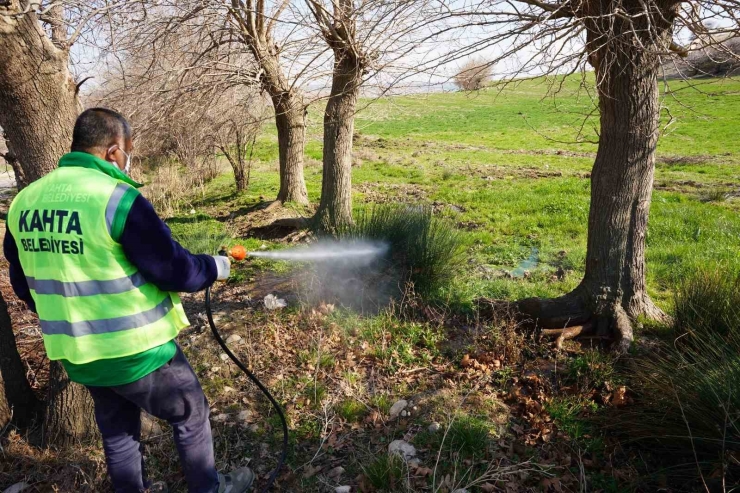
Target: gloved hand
x,y
223,266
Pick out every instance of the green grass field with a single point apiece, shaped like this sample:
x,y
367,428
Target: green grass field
x,y
496,162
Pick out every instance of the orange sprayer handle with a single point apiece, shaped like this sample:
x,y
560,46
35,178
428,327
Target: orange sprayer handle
x,y
238,252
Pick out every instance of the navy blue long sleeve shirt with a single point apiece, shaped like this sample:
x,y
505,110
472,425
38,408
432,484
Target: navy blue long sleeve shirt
x,y
148,244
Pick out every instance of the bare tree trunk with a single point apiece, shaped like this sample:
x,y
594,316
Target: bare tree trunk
x,y
15,390
613,290
335,208
70,413
38,101
291,130
237,164
240,177
38,107
255,27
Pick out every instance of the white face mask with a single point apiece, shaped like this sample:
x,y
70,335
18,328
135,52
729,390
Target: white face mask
x,y
127,167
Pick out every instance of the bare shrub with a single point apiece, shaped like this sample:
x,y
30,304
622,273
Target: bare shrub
x,y
168,184
186,109
473,75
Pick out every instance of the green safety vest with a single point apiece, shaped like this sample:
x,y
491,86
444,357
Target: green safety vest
x,y
92,302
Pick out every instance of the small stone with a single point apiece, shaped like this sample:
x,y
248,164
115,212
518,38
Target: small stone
x,y
404,413
415,408
397,408
233,338
336,472
224,356
254,428
342,489
402,448
215,369
228,389
221,418
434,427
245,415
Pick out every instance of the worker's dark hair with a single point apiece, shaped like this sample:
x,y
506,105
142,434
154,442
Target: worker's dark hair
x,y
98,128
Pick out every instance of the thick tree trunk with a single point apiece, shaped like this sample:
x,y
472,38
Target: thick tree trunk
x,y
18,395
613,291
291,130
621,189
70,417
290,120
38,107
38,103
335,208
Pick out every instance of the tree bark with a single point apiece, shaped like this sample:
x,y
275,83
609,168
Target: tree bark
x,y
613,290
290,122
291,130
255,27
70,413
240,177
335,208
38,108
14,386
38,101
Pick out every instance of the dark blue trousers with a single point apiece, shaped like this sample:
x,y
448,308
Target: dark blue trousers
x,y
171,393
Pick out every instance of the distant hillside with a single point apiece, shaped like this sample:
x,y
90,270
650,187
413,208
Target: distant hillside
x,y
713,61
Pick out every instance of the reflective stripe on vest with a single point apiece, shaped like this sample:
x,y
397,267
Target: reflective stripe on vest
x,y
92,302
86,288
87,327
112,207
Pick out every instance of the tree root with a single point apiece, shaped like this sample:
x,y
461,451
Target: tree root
x,y
568,333
557,313
579,313
275,204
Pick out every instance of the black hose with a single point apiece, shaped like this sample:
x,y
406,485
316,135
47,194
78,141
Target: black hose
x,y
259,385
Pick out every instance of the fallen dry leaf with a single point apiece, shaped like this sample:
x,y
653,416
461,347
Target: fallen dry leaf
x,y
311,471
620,397
551,485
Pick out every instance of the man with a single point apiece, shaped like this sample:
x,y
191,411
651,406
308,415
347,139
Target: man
x,y
89,254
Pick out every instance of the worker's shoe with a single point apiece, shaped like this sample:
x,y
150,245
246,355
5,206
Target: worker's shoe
x,y
237,481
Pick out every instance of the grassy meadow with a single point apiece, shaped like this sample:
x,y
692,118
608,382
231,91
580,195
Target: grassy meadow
x,y
504,165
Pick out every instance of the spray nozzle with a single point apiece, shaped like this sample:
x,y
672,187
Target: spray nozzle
x,y
237,252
